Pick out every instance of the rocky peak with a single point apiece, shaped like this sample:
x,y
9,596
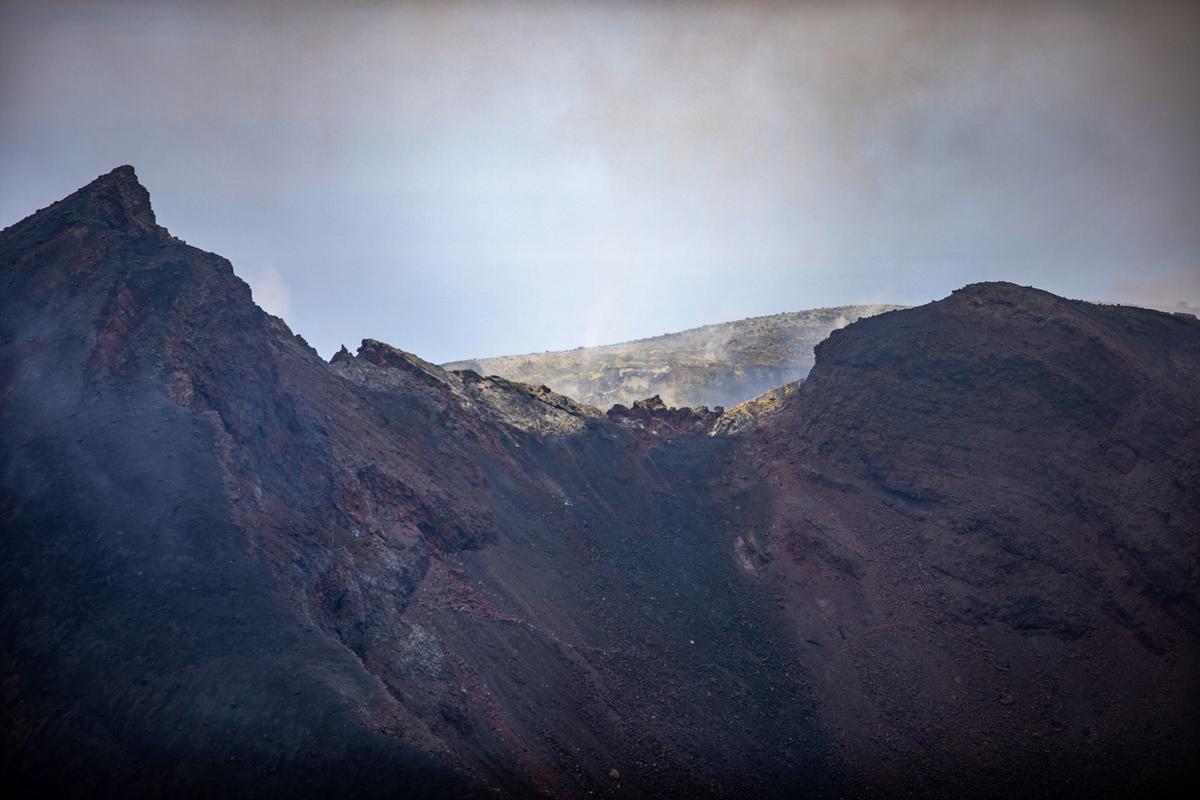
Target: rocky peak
x,y
999,295
114,203
115,200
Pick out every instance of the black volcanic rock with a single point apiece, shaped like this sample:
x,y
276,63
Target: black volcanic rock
x,y
655,417
960,559
115,201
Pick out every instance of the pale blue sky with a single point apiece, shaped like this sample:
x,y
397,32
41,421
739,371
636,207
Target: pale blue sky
x,y
471,179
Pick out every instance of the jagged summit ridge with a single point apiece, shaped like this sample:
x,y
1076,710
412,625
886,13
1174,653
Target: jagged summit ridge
x,y
532,409
115,200
120,200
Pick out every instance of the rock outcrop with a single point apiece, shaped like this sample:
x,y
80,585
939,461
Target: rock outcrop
x,y
658,419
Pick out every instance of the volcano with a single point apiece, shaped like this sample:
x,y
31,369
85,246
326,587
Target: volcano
x,y
959,559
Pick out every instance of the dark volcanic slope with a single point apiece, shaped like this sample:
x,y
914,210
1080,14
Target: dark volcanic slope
x,y
1000,490
961,558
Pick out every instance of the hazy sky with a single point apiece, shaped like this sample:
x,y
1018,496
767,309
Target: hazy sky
x,y
471,179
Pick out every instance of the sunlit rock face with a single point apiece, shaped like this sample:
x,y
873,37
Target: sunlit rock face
x,y
959,559
716,365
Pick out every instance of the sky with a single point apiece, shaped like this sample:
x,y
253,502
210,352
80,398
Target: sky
x,y
468,179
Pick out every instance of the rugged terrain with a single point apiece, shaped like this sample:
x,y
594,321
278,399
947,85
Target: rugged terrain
x,y
959,559
714,365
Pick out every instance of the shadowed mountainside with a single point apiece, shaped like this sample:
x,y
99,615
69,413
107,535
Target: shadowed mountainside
x,y
960,558
714,365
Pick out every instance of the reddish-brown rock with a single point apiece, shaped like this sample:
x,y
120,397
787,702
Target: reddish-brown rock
x,y
960,559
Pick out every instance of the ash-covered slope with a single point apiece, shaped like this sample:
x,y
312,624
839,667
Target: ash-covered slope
x,y
714,365
959,559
